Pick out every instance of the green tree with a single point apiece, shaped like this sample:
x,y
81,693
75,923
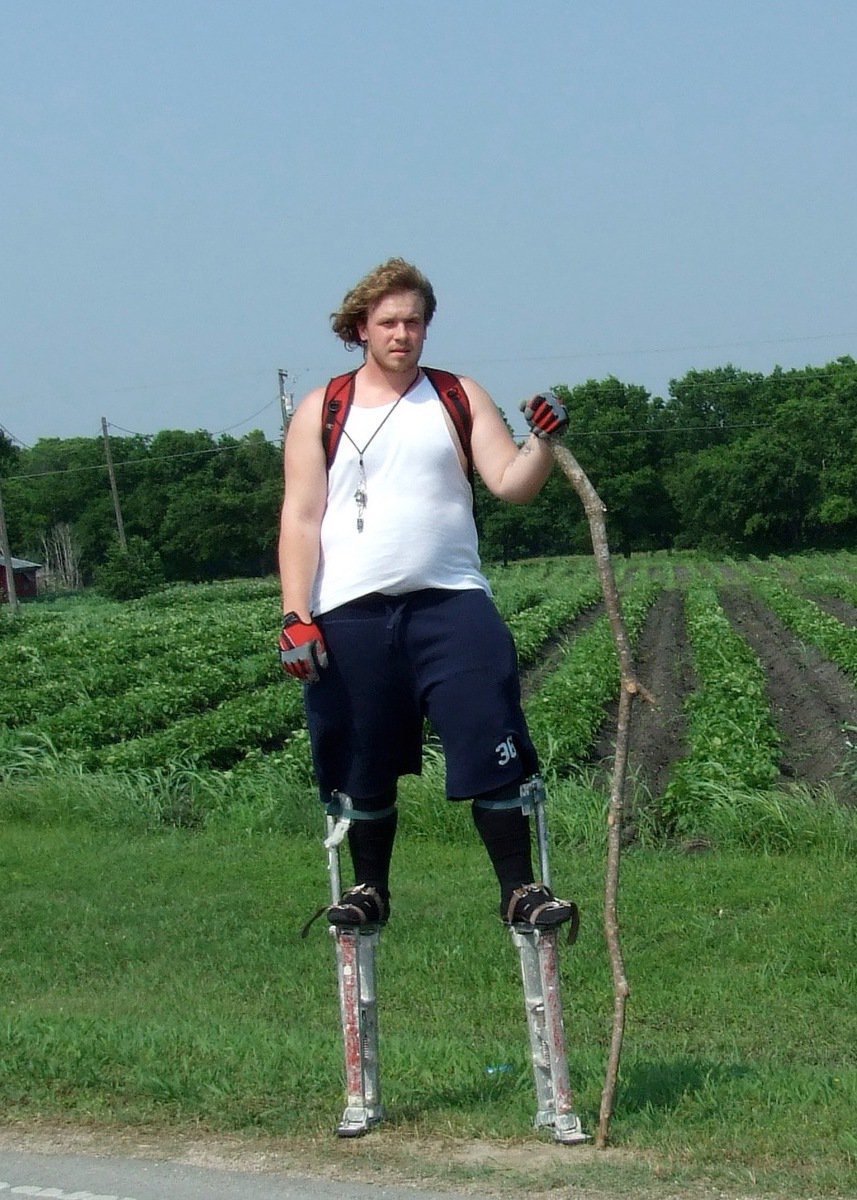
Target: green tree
x,y
615,433
63,480
127,573
786,480
702,491
817,428
712,408
9,455
223,519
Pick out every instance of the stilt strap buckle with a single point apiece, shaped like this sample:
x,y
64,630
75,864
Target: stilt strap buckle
x,y
340,806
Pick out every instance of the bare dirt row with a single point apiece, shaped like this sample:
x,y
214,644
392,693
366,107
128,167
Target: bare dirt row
x,y
812,701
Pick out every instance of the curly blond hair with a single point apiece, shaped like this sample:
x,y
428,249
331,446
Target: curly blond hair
x,y
395,275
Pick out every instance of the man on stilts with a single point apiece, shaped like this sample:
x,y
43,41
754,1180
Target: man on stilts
x,y
388,620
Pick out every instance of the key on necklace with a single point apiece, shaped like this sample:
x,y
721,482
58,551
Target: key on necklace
x,y
360,501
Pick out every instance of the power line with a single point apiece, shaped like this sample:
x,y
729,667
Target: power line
x,y
212,433
592,433
252,416
806,374
577,434
129,462
561,357
577,354
132,432
12,437
796,375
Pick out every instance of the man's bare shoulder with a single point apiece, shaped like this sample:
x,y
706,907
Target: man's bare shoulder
x,y
303,443
479,398
308,410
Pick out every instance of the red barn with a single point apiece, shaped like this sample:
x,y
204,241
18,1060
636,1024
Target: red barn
x,y
25,578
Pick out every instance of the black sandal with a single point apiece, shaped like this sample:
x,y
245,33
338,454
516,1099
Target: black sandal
x,y
534,906
360,905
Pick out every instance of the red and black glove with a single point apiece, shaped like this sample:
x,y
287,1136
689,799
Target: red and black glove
x,y
545,415
302,649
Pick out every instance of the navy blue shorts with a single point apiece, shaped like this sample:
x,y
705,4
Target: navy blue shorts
x,y
395,661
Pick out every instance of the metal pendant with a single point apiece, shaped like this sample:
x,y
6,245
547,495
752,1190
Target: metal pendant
x,y
360,496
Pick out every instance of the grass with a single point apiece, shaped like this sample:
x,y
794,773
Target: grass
x,y
159,979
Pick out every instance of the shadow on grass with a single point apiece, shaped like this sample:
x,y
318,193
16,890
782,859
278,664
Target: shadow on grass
x,y
665,1084
509,1094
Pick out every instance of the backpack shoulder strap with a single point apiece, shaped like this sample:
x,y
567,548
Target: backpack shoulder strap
x,y
455,401
338,396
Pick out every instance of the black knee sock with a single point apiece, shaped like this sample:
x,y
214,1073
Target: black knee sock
x,y
506,835
371,844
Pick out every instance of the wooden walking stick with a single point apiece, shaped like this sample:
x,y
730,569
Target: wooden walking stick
x,y
630,687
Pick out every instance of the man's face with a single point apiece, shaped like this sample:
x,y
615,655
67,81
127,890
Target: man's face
x,y
395,331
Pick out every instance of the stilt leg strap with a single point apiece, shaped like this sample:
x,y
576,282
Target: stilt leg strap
x,y
340,805
524,796
341,808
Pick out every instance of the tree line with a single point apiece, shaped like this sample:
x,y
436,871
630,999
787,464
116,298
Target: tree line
x,y
730,461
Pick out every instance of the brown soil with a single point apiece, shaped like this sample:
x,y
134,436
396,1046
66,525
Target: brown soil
x,y
811,699
841,609
533,677
657,731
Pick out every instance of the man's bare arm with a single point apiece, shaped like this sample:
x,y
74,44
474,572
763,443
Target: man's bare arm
x,y
305,497
511,472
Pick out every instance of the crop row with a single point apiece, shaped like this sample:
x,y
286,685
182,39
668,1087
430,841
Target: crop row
x,y
217,738
733,740
190,676
114,634
59,656
533,627
809,622
81,676
98,720
522,586
52,666
566,712
823,574
222,735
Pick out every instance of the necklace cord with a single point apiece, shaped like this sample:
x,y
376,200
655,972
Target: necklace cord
x,y
360,494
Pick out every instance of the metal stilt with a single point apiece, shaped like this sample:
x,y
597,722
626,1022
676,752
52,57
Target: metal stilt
x,y
358,1005
355,960
540,974
539,956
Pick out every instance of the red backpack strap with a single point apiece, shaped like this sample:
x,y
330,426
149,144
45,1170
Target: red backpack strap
x,y
456,402
338,396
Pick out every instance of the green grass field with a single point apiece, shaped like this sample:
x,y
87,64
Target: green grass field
x,y
159,980
160,850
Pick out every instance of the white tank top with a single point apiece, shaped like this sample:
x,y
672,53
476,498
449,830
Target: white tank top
x,y
418,528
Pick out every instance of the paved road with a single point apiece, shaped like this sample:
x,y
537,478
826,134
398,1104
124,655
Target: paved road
x,y
85,1177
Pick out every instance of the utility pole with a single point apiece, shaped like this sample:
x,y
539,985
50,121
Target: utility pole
x,y
119,525
287,401
11,591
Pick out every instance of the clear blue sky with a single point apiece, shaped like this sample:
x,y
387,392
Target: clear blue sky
x,y
188,187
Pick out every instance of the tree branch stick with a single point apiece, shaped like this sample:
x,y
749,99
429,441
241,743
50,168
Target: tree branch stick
x,y
629,688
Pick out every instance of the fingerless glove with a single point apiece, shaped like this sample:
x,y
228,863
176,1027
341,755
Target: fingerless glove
x,y
302,649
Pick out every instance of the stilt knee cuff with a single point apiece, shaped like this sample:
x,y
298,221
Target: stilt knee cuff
x,y
529,793
341,805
